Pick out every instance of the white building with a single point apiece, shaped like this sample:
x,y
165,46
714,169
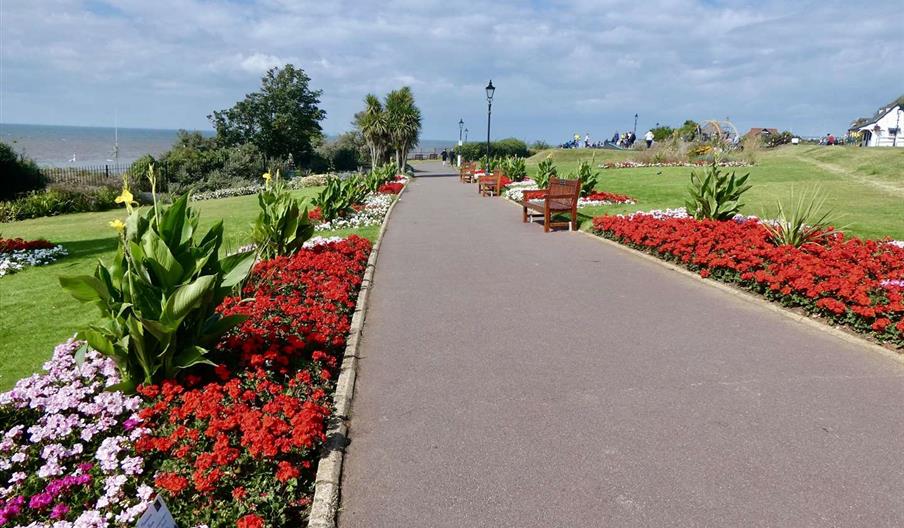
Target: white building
x,y
881,130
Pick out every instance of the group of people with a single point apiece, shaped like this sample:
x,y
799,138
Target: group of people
x,y
623,140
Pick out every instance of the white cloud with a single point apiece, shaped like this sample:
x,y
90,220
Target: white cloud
x,y
558,66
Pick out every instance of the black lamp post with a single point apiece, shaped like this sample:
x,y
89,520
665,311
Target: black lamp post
x,y
635,124
490,91
461,124
466,135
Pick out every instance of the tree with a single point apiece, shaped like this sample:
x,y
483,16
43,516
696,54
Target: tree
x,y
371,122
20,174
404,122
281,119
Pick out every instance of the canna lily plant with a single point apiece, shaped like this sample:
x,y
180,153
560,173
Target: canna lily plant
x,y
281,227
158,295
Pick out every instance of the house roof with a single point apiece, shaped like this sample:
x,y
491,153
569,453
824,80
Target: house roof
x,y
758,131
864,121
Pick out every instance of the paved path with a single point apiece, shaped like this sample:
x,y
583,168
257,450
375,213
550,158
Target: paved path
x,y
511,378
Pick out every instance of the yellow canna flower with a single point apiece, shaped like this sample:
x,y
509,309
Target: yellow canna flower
x,y
126,198
267,177
118,225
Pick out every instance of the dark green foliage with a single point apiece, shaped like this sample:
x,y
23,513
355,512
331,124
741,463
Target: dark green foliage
x,y
281,119
774,140
346,153
52,202
18,174
503,148
716,194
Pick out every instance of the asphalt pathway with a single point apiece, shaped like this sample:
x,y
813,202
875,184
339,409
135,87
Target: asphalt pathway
x,y
511,378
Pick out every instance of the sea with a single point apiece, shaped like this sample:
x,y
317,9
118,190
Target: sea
x,y
78,146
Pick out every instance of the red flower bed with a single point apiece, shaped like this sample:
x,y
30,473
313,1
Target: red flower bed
x,y
8,245
603,196
240,445
391,188
315,214
848,280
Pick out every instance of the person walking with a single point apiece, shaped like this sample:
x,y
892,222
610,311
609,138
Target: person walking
x,y
648,137
444,155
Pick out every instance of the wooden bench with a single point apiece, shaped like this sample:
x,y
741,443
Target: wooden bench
x,y
466,171
560,198
491,184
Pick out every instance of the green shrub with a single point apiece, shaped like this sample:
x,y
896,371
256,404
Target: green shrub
x,y
281,227
18,174
158,296
715,195
545,171
57,201
474,150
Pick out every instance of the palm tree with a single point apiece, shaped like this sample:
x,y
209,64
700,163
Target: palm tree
x,y
372,122
404,123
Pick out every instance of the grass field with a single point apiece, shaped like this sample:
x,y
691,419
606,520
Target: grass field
x,y
864,186
36,314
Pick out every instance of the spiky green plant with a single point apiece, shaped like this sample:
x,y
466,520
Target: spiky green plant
x,y
587,176
716,194
805,220
515,168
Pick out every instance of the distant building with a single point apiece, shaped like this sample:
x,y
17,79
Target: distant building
x,y
881,130
761,132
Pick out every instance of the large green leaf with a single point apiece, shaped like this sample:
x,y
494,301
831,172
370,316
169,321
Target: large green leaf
x,y
85,288
191,356
186,298
235,269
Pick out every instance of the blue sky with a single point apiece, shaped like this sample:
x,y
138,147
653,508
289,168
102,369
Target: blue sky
x,y
559,67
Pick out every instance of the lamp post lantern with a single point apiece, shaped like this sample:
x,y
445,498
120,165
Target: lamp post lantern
x,y
490,91
635,124
461,124
466,135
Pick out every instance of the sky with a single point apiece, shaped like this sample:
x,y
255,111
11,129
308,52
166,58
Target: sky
x,y
559,67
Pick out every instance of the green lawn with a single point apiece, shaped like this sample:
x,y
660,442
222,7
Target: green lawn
x,y
864,186
36,314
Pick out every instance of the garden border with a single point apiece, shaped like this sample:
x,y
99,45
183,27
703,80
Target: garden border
x,y
325,503
816,323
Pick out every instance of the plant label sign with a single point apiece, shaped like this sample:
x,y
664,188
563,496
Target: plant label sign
x,y
157,516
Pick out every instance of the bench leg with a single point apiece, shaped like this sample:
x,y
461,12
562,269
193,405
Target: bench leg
x,y
524,215
546,219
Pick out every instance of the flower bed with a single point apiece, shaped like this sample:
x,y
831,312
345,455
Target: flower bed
x,y
17,254
371,213
628,164
527,189
244,442
391,188
849,281
225,446
66,447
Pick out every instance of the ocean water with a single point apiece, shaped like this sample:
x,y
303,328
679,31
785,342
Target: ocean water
x,y
72,146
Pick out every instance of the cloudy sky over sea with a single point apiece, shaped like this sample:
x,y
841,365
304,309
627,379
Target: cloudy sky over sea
x,y
559,67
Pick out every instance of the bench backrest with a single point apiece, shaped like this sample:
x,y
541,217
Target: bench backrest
x,y
564,193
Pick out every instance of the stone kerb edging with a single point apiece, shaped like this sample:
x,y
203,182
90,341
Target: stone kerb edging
x,y
815,323
329,470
